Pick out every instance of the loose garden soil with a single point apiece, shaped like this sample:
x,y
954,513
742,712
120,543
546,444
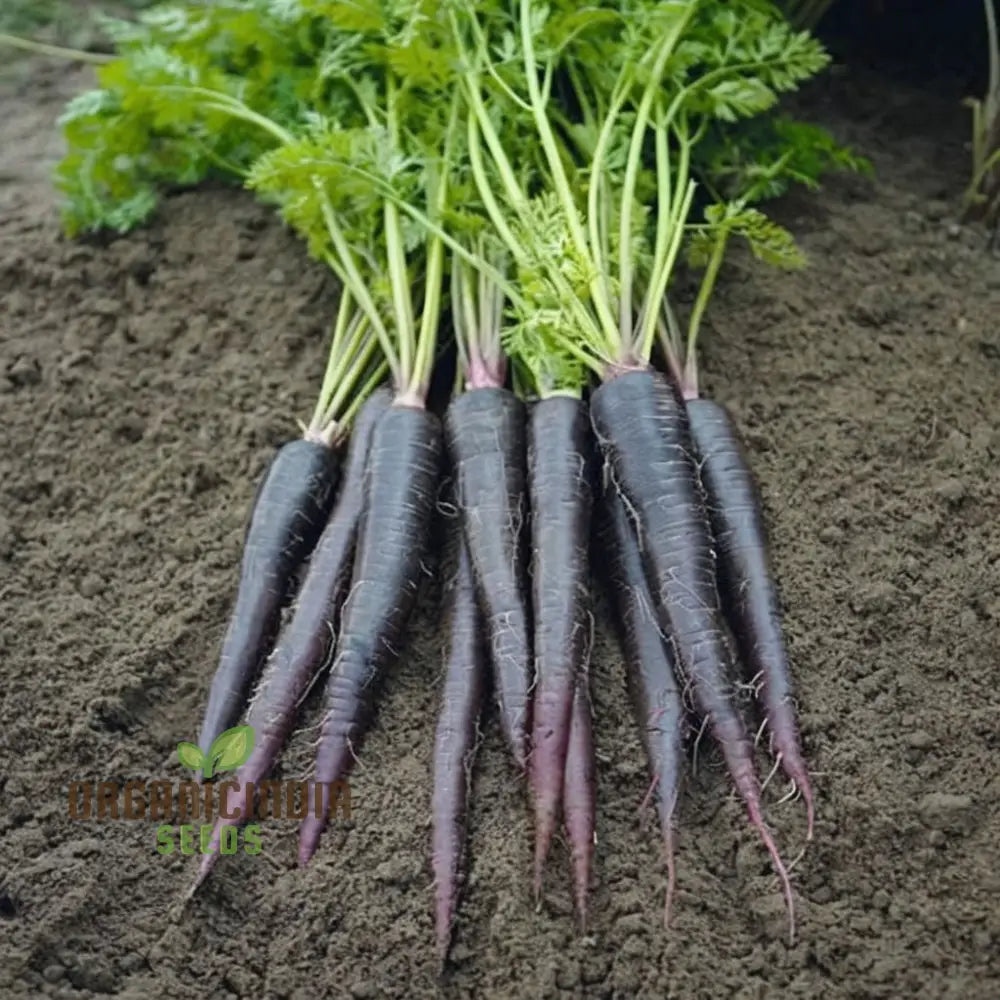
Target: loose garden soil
x,y
144,382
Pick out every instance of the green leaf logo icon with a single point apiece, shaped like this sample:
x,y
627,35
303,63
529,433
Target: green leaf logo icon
x,y
230,750
190,756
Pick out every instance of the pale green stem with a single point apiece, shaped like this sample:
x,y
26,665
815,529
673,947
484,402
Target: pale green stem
x,y
491,299
429,226
669,332
462,317
993,36
483,50
399,279
632,168
663,269
680,194
518,200
347,271
598,233
374,380
561,183
218,100
514,193
430,318
664,190
58,51
346,317
690,383
357,357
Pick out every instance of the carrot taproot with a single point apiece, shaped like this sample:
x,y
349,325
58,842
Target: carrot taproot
x,y
400,493
642,428
290,509
559,469
455,742
305,641
579,793
485,439
749,595
650,667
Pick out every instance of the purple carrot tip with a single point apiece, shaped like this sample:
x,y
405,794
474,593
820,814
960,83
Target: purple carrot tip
x,y
795,769
779,866
581,860
545,829
443,916
516,739
543,841
443,947
540,855
204,870
309,834
668,900
810,810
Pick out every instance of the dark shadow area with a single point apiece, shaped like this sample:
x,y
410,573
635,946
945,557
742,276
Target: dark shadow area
x,y
912,40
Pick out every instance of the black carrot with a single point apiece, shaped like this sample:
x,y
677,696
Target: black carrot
x,y
485,428
485,434
749,594
305,642
559,470
650,669
400,492
289,513
290,510
455,742
641,424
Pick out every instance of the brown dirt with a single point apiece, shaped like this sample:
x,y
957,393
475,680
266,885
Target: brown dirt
x,y
143,383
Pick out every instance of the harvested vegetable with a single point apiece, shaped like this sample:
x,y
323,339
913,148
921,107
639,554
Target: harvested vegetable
x,y
485,435
292,504
747,587
650,669
568,143
401,478
750,598
400,492
455,740
305,642
642,427
585,257
580,792
290,511
558,472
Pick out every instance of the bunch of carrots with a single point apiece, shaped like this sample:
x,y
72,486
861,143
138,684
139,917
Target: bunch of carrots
x,y
520,184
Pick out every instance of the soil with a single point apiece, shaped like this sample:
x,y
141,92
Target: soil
x,y
144,382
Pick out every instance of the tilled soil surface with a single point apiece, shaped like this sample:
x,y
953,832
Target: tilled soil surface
x,y
144,382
